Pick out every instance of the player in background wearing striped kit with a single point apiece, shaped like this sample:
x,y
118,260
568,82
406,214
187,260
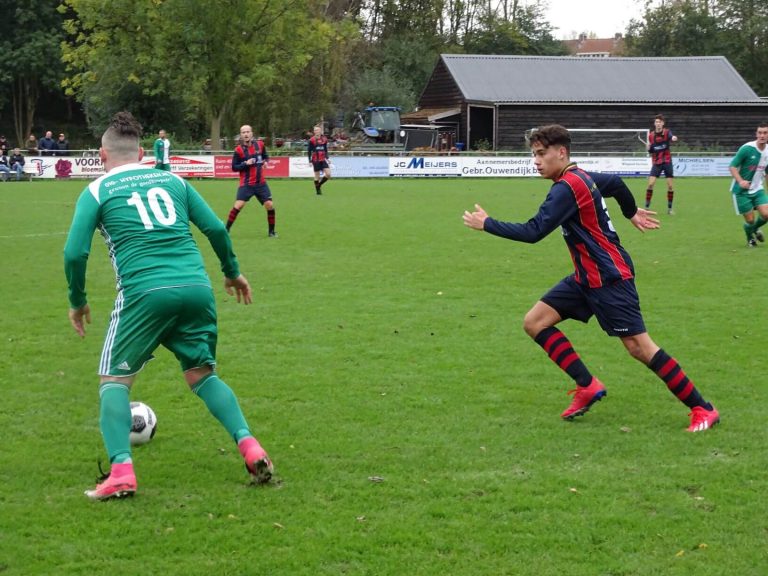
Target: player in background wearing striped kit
x,y
317,151
250,158
659,141
603,283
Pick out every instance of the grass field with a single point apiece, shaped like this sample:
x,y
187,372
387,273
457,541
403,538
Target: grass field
x,y
414,427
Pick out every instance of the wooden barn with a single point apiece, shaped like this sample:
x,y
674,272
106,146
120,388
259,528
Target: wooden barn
x,y
491,101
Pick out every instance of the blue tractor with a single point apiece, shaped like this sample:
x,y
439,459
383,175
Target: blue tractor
x,y
378,125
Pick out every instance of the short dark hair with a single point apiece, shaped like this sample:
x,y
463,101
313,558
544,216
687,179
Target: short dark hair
x,y
551,135
122,135
660,117
124,124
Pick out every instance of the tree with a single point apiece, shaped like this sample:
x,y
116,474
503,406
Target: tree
x,y
745,38
319,92
735,29
509,28
214,59
682,28
30,37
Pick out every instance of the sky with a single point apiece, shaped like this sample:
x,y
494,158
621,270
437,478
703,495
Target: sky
x,y
604,17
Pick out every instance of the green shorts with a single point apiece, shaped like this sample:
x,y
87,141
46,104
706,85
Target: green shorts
x,y
744,203
161,166
183,319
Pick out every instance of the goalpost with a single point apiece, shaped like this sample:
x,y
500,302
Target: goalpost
x,y
605,140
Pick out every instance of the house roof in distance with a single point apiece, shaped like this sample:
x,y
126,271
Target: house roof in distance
x,y
595,47
502,79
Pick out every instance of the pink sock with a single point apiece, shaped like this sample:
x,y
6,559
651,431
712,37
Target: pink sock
x,y
120,470
246,445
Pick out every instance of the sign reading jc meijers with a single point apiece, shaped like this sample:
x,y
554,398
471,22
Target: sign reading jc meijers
x,y
420,166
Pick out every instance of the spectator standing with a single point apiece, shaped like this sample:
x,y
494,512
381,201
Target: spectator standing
x,y
31,145
162,150
62,145
47,145
17,163
4,167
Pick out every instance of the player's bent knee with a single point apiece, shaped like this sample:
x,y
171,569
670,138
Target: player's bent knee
x,y
636,353
640,347
194,375
532,324
124,380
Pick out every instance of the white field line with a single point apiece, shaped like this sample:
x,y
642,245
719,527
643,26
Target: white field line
x,y
40,235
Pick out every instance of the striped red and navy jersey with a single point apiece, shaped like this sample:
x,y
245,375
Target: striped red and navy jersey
x,y
577,205
254,173
318,149
658,146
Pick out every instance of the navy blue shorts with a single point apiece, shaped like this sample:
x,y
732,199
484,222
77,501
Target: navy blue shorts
x,y
665,167
616,306
261,191
320,166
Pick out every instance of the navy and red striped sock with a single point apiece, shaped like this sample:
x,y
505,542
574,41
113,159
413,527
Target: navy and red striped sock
x,y
667,368
271,219
561,352
232,217
648,196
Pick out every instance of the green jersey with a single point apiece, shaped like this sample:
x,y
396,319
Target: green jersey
x,y
144,215
751,163
162,149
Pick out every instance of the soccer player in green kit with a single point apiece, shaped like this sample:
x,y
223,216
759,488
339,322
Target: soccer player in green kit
x,y
164,296
162,149
748,187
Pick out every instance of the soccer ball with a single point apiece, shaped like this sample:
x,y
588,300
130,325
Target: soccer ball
x,y
143,424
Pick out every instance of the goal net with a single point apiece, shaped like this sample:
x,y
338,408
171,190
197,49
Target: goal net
x,y
586,141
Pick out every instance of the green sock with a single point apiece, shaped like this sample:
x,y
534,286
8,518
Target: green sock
x,y
760,222
748,229
222,403
115,421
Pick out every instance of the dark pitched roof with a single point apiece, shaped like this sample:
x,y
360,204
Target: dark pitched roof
x,y
569,79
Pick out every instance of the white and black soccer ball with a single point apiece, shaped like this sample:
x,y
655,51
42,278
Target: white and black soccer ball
x,y
143,423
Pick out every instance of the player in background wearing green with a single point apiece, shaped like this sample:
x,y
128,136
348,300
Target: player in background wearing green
x,y
748,188
162,149
164,296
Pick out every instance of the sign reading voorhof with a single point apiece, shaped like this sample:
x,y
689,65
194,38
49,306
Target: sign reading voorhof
x,y
184,166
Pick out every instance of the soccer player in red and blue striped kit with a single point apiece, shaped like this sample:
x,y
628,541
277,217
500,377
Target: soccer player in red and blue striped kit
x,y
659,141
317,151
603,283
250,158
